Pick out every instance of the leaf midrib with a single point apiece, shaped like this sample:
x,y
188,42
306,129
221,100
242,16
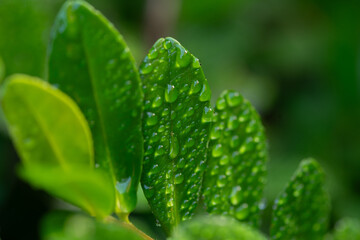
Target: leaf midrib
x,y
100,115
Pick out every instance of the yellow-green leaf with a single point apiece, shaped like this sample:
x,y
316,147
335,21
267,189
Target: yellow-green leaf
x,y
54,142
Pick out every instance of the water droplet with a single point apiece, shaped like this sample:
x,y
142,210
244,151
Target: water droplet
x,y
234,99
221,103
151,119
242,212
224,160
236,195
217,150
171,93
146,68
221,181
179,178
235,141
174,146
124,185
196,63
159,151
157,102
207,115
167,44
189,142
233,122
195,87
183,58
148,191
153,53
205,93
215,132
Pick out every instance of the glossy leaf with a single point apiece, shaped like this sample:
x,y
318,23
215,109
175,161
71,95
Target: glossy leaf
x,y
302,209
54,141
235,174
86,188
176,126
89,60
45,124
67,226
347,229
215,228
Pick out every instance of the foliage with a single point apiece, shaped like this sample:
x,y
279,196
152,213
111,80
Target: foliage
x,y
347,228
81,140
215,227
301,211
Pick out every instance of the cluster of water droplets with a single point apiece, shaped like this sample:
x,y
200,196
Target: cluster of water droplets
x,y
235,174
177,118
302,208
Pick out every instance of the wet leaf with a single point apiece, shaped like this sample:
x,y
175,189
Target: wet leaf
x,y
215,228
69,226
86,188
89,60
235,174
301,211
54,141
176,127
347,228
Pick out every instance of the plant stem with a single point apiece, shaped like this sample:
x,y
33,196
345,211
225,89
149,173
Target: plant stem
x,y
127,224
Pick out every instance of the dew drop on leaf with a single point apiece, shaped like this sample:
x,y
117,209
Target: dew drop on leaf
x,y
171,94
146,68
151,119
174,146
205,93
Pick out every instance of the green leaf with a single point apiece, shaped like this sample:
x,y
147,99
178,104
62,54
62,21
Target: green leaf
x,y
86,188
2,70
176,127
215,228
301,211
235,174
45,124
54,141
347,229
67,226
89,60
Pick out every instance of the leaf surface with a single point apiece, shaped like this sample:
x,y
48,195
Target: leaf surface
x,y
90,61
215,228
176,128
66,226
235,174
54,141
301,211
347,228
86,188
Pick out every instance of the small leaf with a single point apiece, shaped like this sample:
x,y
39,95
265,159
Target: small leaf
x,y
54,141
176,127
235,174
89,60
301,211
45,124
347,229
66,226
215,228
86,188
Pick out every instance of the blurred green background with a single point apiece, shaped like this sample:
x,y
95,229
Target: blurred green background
x,y
297,61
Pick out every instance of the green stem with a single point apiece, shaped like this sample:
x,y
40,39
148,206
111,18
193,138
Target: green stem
x,y
127,224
